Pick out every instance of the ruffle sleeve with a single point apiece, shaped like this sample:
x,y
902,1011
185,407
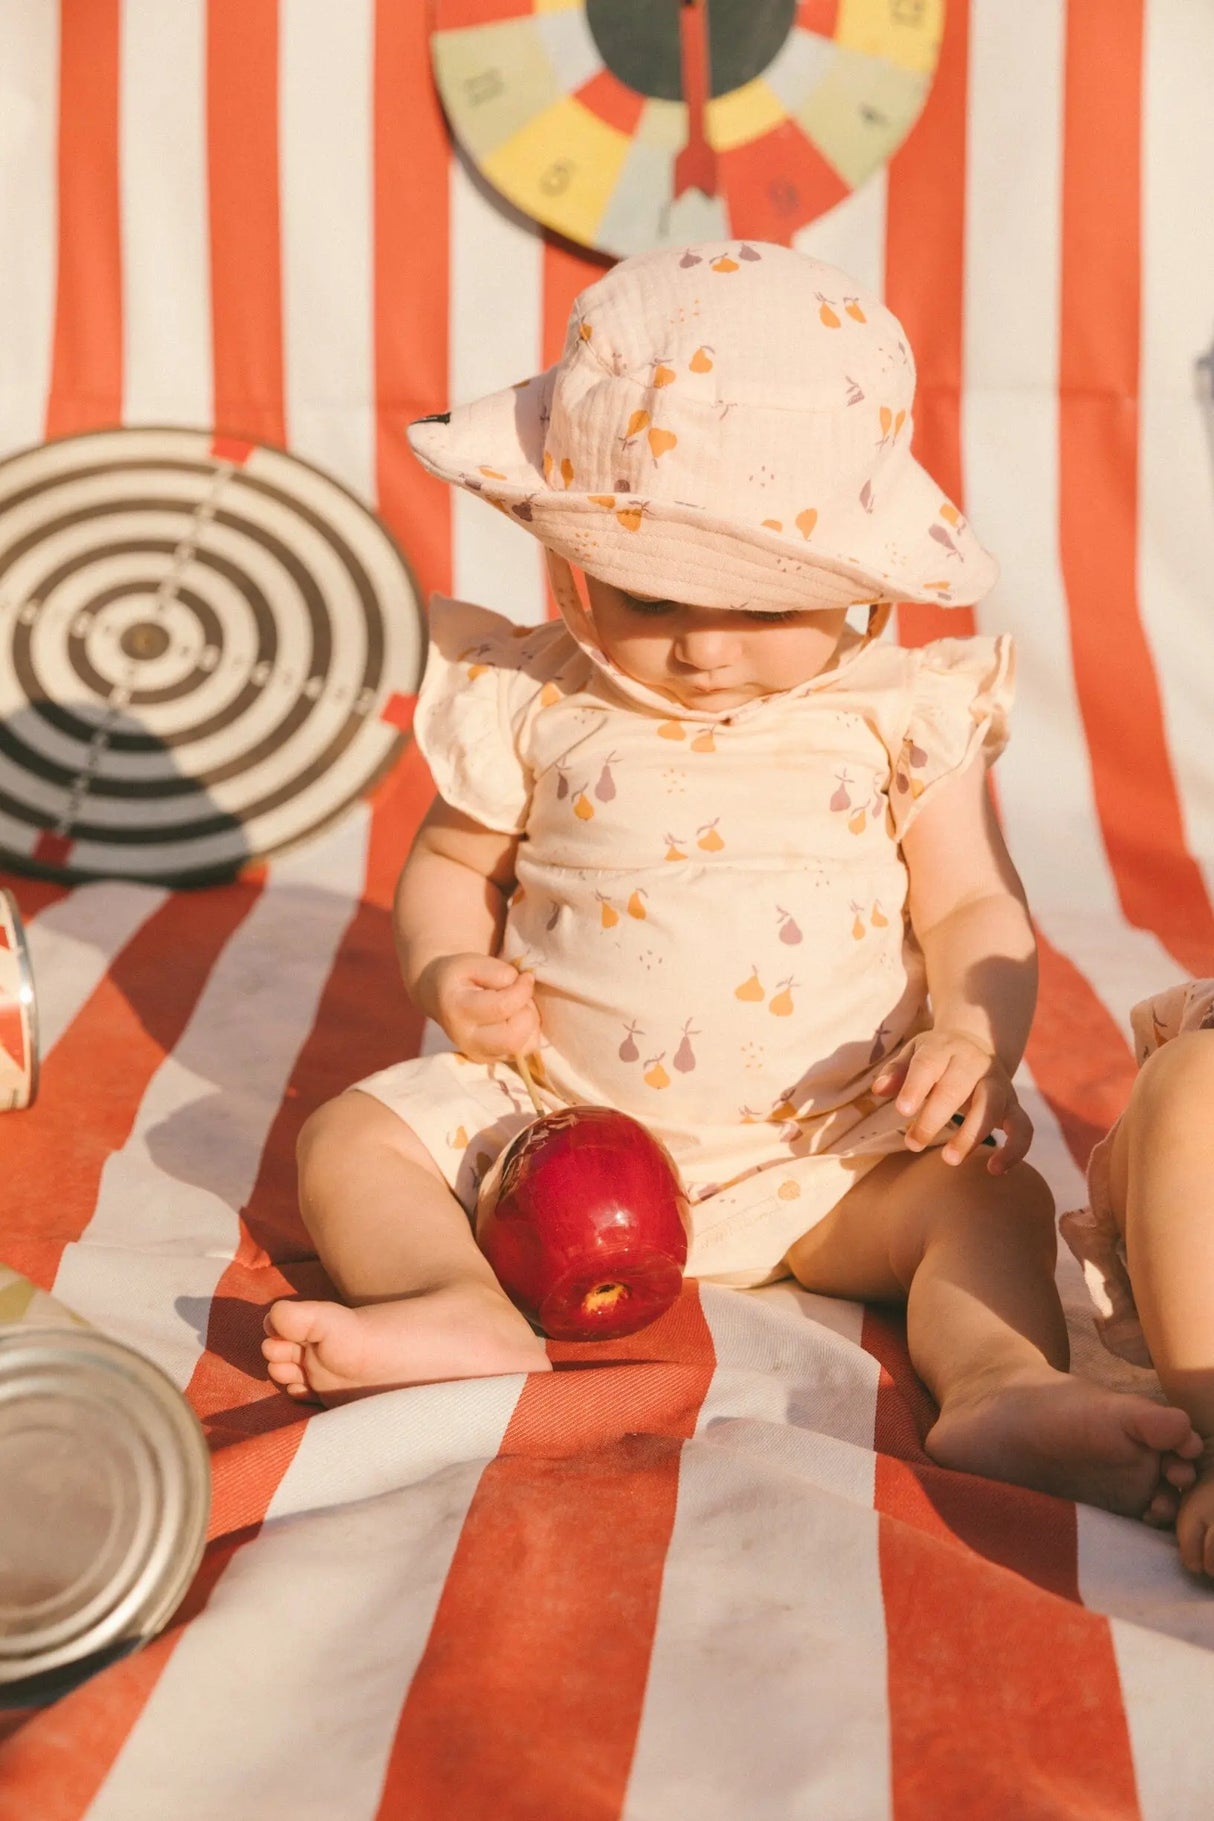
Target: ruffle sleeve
x,y
483,677
1178,1009
959,700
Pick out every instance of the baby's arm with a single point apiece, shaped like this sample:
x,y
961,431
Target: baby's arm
x,y
968,913
448,918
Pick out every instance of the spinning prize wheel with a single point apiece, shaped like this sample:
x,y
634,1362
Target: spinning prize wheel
x,y
208,651
628,124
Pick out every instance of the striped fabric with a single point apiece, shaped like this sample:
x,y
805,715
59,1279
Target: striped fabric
x,y
716,1575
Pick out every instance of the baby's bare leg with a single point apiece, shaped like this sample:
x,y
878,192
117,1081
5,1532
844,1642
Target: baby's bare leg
x,y
973,1255
1161,1181
399,1248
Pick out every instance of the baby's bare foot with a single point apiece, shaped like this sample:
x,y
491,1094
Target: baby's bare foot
x,y
1070,1437
1195,1523
327,1353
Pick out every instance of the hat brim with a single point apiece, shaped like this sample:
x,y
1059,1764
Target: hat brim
x,y
495,447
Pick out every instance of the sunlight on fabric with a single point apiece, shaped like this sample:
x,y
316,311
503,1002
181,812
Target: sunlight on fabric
x,y
1176,436
166,280
167,1220
1011,471
497,277
29,109
325,150
73,943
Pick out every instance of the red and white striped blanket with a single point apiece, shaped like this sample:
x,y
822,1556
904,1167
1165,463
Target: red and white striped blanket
x,y
710,1571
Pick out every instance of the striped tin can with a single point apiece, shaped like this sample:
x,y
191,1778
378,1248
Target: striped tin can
x,y
18,1013
105,1497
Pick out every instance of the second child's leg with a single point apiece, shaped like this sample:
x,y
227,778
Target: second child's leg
x,y
1161,1182
421,1302
973,1255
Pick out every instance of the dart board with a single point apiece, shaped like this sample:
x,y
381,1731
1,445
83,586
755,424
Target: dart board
x,y
630,124
208,652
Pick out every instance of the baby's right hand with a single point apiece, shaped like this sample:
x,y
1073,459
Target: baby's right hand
x,y
485,1005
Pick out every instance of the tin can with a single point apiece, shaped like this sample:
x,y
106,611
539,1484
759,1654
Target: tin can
x,y
104,1498
18,1013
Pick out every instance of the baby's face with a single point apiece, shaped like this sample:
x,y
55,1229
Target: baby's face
x,y
710,657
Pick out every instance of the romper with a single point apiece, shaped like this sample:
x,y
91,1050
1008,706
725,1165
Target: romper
x,y
1092,1233
713,905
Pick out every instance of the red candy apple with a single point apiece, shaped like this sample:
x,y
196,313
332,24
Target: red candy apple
x,y
584,1221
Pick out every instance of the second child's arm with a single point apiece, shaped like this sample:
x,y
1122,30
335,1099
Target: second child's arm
x,y
448,917
968,912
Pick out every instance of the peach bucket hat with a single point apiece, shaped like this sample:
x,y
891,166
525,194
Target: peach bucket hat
x,y
729,425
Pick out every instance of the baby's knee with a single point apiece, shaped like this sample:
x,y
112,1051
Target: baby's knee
x,y
1030,1200
347,1125
1021,1200
1176,1082
323,1131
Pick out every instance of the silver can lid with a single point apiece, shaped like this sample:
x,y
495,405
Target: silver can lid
x,y
104,1499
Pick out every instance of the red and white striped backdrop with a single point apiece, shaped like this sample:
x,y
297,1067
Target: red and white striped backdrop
x,y
716,1574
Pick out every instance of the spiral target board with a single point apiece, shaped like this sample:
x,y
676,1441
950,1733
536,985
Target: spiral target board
x,y
18,1013
208,651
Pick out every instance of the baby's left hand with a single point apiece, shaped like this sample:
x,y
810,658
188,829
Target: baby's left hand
x,y
946,1072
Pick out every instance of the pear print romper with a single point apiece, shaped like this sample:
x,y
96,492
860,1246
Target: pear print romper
x,y
713,906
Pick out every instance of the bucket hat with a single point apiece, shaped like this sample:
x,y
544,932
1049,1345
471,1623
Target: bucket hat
x,y
729,425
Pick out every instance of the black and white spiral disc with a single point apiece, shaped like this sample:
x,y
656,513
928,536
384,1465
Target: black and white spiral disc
x,y
208,651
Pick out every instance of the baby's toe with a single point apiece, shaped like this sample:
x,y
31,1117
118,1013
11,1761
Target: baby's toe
x,y
275,1348
1163,1427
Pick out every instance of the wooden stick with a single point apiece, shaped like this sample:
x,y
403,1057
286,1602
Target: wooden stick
x,y
525,1071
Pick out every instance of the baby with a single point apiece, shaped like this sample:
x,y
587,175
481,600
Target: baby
x,y
1145,1239
713,856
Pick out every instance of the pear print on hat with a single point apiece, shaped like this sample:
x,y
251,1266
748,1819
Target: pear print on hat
x,y
713,465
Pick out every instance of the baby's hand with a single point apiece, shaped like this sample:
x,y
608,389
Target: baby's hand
x,y
485,1005
947,1072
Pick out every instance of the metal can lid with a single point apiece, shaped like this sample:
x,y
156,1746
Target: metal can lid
x,y
104,1499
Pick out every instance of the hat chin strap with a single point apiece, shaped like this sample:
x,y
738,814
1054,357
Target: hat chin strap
x,y
569,601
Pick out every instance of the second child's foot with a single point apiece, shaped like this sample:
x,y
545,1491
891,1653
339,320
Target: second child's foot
x,y
324,1352
1075,1439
